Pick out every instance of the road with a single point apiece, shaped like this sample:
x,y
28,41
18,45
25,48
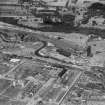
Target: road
x,y
33,101
14,68
72,84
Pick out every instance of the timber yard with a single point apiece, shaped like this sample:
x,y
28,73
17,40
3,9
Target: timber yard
x,y
52,52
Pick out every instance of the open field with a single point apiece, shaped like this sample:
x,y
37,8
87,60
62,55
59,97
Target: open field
x,y
12,92
4,84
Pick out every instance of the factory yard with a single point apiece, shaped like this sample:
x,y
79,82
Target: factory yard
x,y
52,52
